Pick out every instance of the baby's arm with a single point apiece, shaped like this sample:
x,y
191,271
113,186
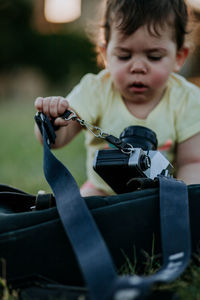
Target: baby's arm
x,y
188,160
54,107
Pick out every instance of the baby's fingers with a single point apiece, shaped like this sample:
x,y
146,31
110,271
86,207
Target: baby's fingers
x,y
43,105
53,103
63,105
51,106
39,103
55,106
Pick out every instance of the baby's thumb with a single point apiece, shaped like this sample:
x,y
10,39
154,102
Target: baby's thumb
x,y
60,122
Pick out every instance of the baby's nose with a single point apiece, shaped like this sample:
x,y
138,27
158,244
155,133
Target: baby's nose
x,y
138,66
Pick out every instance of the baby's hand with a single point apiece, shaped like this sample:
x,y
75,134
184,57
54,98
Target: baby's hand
x,y
53,107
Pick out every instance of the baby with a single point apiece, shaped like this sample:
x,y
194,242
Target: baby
x,y
143,47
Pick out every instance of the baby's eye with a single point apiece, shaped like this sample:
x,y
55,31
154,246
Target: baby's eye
x,y
154,58
124,57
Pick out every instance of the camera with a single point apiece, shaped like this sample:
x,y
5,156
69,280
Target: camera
x,y
124,169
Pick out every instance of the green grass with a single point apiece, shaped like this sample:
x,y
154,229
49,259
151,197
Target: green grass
x,y
187,287
21,155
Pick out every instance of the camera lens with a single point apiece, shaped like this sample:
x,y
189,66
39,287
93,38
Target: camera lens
x,y
140,137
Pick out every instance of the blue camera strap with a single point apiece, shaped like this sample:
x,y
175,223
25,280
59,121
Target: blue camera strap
x,y
89,247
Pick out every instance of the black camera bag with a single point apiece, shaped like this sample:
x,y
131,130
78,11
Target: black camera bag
x,y
38,256
35,246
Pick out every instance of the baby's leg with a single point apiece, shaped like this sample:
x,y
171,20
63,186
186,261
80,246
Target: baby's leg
x,y
88,189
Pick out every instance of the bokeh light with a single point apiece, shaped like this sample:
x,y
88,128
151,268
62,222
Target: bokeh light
x,y
62,11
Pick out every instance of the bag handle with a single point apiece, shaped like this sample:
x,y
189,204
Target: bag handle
x,y
89,247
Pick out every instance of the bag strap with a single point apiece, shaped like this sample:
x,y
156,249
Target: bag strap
x,y
89,247
175,239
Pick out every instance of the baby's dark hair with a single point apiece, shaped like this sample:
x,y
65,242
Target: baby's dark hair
x,y
129,15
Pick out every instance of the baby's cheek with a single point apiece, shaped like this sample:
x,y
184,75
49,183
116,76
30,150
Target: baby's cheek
x,y
118,79
160,79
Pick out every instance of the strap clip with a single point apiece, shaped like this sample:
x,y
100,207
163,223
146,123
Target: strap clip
x,y
69,115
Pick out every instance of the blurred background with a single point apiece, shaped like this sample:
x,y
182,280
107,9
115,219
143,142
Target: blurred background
x,y
44,50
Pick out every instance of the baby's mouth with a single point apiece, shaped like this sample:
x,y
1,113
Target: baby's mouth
x,y
138,87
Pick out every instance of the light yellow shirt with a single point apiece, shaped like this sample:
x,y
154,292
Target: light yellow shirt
x,y
175,119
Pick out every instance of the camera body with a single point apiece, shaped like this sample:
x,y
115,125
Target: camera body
x,y
122,169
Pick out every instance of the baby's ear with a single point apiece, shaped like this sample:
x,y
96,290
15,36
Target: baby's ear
x,y
181,56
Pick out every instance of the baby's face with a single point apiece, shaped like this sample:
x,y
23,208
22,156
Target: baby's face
x,y
140,64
